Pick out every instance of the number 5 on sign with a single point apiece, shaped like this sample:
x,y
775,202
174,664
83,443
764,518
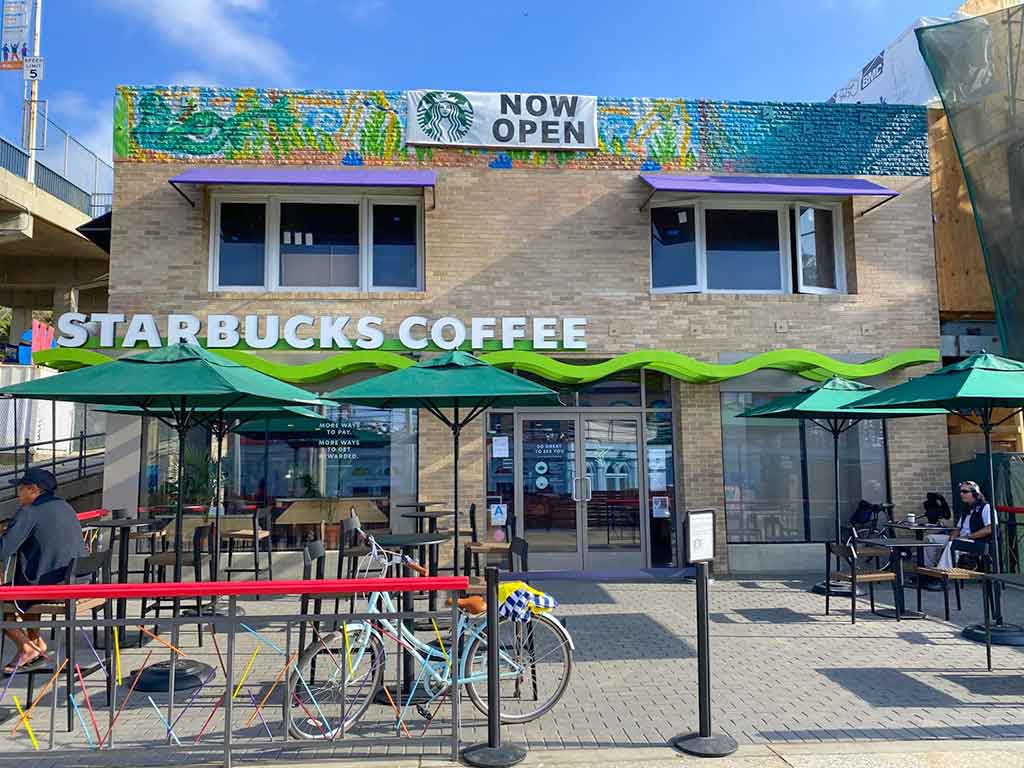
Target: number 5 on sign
x,y
33,68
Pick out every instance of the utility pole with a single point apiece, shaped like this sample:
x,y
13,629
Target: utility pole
x,y
33,98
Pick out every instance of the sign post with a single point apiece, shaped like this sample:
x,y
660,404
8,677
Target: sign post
x,y
701,541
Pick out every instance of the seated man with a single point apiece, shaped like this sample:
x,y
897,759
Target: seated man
x,y
46,536
975,524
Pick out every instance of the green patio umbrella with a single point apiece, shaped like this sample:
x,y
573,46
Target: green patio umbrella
x,y
180,380
456,381
971,389
827,405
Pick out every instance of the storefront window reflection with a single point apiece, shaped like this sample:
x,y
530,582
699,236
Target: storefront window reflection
x,y
349,452
779,482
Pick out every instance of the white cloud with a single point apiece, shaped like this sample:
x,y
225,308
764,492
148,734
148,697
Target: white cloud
x,y
91,123
363,11
222,35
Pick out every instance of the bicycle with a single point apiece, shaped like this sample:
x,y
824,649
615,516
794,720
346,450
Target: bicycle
x,y
342,670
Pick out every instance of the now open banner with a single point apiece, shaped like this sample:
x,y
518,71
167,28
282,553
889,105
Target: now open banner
x,y
515,120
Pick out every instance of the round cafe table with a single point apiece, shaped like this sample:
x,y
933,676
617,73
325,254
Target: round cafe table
x,y
407,543
123,530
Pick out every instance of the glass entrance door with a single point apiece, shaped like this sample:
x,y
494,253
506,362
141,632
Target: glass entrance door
x,y
611,493
581,486
549,491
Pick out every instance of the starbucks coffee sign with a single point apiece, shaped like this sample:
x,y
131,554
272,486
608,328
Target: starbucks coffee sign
x,y
114,329
514,120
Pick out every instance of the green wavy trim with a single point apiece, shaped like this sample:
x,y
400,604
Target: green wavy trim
x,y
810,365
310,373
64,359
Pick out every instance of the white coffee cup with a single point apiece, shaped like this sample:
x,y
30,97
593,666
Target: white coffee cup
x,y
911,519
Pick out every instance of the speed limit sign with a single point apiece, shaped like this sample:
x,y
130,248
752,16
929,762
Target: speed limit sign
x,y
33,67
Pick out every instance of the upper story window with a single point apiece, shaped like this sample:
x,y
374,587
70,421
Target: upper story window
x,y
334,243
746,247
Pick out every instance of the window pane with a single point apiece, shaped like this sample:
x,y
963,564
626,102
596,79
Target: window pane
x,y
661,489
817,248
743,250
242,243
764,498
673,247
501,438
621,390
861,474
320,245
658,389
394,246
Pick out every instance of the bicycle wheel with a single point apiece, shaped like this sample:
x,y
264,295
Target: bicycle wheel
x,y
535,662
321,687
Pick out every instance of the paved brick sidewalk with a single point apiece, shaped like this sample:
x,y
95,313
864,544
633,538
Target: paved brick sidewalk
x,y
783,674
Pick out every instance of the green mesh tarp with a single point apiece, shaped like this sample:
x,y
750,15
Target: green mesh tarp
x,y
978,68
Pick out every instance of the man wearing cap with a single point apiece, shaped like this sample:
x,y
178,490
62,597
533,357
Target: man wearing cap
x,y
46,536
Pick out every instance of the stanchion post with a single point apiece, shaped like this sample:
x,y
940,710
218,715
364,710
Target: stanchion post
x,y
701,548
493,754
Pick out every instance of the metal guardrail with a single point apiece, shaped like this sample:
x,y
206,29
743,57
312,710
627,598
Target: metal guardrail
x,y
110,659
80,462
15,160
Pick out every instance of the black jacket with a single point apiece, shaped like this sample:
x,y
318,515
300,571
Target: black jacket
x,y
46,536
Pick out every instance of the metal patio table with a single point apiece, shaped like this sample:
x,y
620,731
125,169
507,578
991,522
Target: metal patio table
x,y
919,530
407,543
896,546
430,516
123,529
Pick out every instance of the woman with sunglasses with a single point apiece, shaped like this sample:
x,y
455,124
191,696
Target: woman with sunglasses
x,y
974,524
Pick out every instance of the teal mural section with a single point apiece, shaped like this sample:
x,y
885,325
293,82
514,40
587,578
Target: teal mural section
x,y
247,125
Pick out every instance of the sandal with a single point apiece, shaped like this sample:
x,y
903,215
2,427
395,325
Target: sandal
x,y
32,663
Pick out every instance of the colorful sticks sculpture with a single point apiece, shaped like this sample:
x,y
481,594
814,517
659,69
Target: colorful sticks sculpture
x,y
28,725
162,720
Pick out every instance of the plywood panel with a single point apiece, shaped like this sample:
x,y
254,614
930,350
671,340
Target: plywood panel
x,y
964,289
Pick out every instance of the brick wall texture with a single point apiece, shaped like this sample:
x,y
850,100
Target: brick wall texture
x,y
353,128
556,240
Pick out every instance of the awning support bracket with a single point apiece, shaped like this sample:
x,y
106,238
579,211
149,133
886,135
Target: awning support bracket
x,y
178,190
879,204
433,197
647,201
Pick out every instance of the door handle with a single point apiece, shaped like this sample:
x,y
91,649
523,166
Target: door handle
x,y
575,496
590,488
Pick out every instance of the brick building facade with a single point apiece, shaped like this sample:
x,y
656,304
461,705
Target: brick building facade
x,y
569,234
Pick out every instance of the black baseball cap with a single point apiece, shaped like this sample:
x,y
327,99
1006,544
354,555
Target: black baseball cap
x,y
36,476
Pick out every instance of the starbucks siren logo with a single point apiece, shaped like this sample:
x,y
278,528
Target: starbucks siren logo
x,y
444,116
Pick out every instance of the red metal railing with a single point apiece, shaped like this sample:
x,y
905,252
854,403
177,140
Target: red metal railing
x,y
236,588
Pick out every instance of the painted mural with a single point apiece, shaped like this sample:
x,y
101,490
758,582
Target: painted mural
x,y
248,125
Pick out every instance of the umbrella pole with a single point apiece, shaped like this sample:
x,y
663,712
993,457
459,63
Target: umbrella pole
x,y
216,499
997,597
835,472
456,427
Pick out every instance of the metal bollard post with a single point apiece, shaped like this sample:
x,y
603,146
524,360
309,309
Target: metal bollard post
x,y
493,754
704,743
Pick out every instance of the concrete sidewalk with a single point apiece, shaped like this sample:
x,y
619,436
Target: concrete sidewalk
x,y
885,754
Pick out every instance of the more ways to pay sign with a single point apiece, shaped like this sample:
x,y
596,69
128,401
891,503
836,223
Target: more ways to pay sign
x,y
474,119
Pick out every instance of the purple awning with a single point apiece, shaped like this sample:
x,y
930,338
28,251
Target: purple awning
x,y
794,186
310,177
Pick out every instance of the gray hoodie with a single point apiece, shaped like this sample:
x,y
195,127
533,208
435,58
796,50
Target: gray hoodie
x,y
46,536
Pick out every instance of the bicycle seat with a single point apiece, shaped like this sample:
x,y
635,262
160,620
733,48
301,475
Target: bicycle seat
x,y
474,605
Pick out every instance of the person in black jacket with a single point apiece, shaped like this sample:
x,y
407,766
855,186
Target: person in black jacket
x,y
975,524
47,538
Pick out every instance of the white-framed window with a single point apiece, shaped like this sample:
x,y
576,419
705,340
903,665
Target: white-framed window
x,y
818,246
316,242
746,246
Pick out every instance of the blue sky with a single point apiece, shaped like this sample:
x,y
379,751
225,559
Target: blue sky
x,y
784,50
